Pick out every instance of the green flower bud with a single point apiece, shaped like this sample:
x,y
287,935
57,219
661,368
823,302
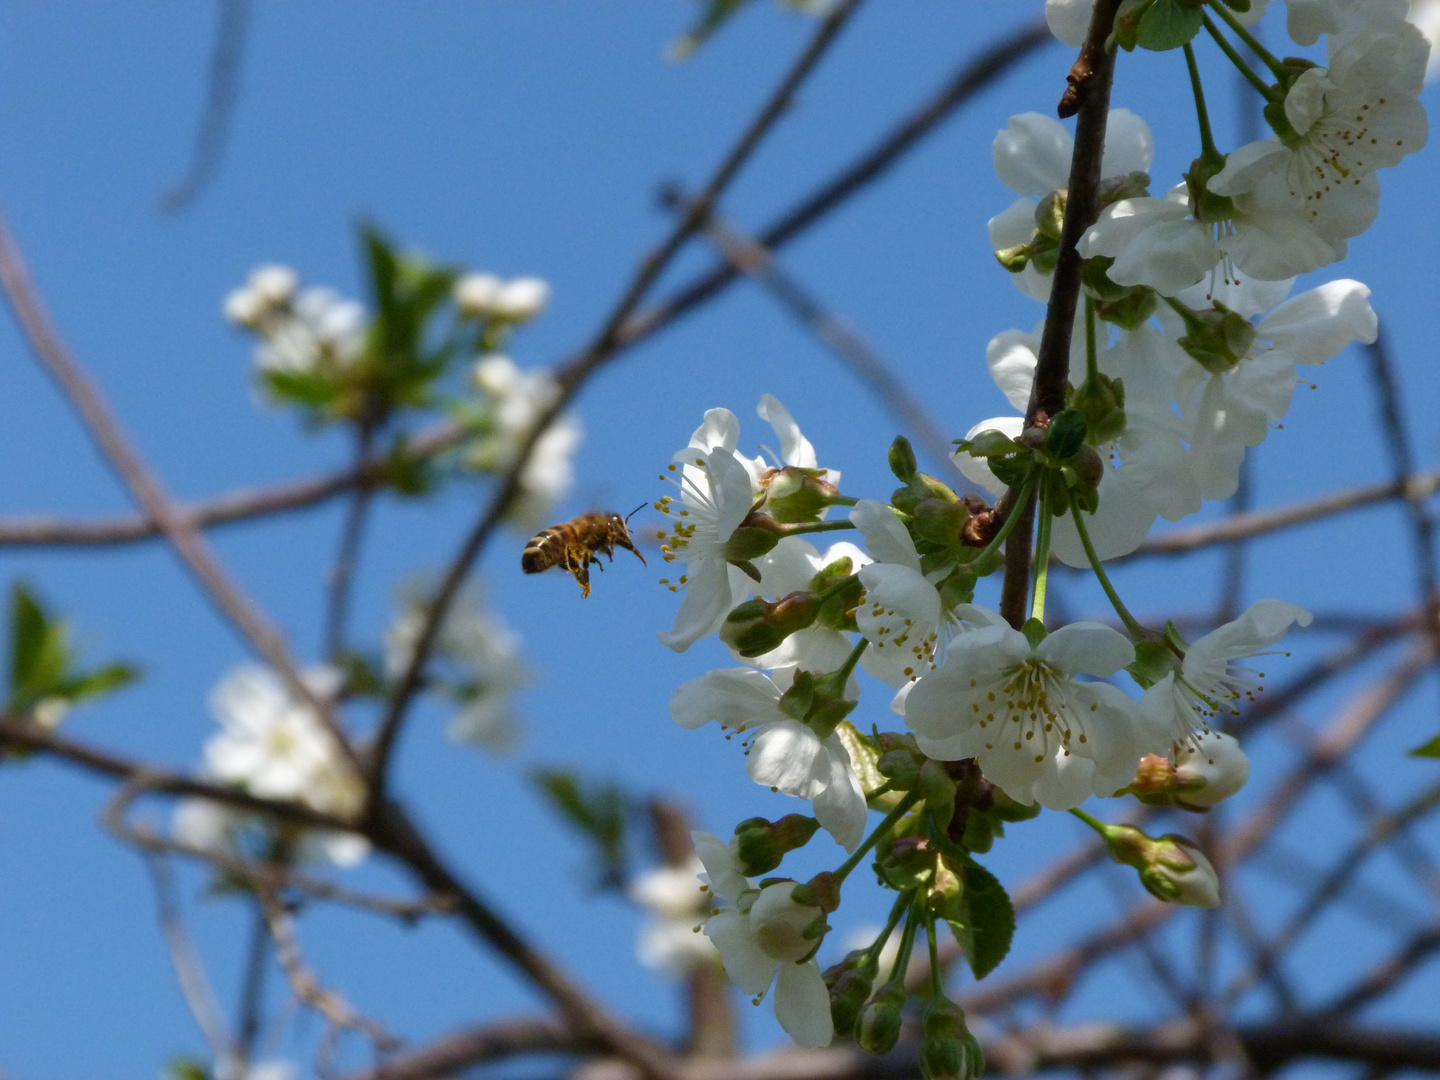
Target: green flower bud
x,y
1066,433
759,845
1215,337
940,521
1129,312
1095,280
877,1029
902,459
757,535
938,791
848,993
1013,259
1050,214
759,625
795,495
902,768
1171,868
1101,401
945,1051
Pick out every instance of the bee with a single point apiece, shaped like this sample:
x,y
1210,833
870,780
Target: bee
x,y
574,545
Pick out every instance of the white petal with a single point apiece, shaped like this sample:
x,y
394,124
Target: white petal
x,y
745,962
789,756
795,449
840,808
1086,648
1069,20
704,606
802,1005
974,468
719,861
1032,154
738,698
1314,326
1129,146
885,534
720,430
1011,358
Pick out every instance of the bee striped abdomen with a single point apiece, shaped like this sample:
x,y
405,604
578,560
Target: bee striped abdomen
x,y
545,549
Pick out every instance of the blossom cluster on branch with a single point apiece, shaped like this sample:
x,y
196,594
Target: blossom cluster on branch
x,y
1184,355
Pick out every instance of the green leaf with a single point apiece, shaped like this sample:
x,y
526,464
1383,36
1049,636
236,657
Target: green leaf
x,y
42,664
992,919
598,811
1430,749
186,1068
863,756
1169,25
99,682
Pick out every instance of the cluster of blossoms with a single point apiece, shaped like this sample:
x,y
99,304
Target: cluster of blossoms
x,y
335,361
274,747
475,664
1184,356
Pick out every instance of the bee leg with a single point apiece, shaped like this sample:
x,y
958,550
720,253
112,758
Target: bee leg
x,y
581,571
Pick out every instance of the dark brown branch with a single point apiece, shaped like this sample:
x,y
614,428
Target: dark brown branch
x,y
189,544
1089,91
603,347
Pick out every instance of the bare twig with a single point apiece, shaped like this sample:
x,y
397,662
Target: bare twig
x,y
342,574
753,259
603,347
305,984
189,544
189,971
223,89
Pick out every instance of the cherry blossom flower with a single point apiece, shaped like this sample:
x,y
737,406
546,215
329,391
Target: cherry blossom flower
x,y
760,938
1359,114
1032,158
669,941
516,400
1209,768
784,754
1208,684
1038,733
791,567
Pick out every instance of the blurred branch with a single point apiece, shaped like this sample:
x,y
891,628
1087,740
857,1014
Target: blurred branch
x,y
223,88
1415,487
603,347
189,544
753,259
1078,1047
342,574
195,988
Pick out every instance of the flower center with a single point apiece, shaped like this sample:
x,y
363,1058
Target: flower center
x,y
1029,708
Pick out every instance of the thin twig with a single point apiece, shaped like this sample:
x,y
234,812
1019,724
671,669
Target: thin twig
x,y
252,987
753,259
603,347
189,544
195,987
342,574
222,91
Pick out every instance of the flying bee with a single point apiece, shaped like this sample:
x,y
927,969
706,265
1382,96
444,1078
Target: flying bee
x,y
574,545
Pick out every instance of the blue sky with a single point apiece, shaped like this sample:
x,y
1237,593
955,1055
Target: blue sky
x,y
527,139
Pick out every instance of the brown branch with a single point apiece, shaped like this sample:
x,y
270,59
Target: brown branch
x,y
602,348
1077,1047
1090,81
1414,488
498,1041
228,509
154,778
757,262
189,544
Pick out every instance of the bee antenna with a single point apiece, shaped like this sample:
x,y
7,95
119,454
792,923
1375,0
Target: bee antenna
x,y
632,513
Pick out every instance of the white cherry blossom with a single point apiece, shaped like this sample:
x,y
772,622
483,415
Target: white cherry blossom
x,y
1209,768
1208,684
669,940
1032,158
784,754
1359,114
754,961
791,567
1038,733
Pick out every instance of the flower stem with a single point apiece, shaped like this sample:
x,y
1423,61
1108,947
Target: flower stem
x,y
800,528
1131,623
882,830
1266,91
1092,359
907,946
1094,822
1042,550
898,909
847,668
1207,140
1250,40
937,984
983,563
